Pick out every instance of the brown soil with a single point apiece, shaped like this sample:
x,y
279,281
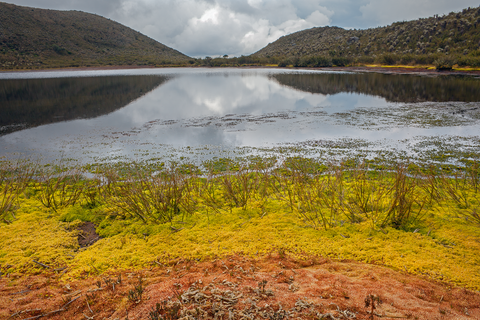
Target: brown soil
x,y
87,235
238,288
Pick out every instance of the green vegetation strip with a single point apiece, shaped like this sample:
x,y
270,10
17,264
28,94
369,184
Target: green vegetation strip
x,y
410,218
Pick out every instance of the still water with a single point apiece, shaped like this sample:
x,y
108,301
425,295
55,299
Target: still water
x,y
147,113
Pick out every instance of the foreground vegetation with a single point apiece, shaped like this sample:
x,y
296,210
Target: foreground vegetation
x,y
423,220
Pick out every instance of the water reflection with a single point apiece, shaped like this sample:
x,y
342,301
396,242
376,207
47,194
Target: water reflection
x,y
394,88
144,116
27,103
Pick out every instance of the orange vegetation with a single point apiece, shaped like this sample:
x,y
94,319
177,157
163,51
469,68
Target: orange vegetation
x,y
272,287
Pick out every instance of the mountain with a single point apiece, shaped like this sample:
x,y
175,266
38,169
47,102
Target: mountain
x,y
38,38
421,41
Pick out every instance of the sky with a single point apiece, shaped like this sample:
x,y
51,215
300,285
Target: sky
x,y
200,28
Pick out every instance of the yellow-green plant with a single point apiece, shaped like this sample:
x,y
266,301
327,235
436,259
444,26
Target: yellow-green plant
x,y
156,197
60,188
13,180
239,186
406,201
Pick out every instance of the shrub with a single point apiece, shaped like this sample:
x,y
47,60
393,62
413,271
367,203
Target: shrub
x,y
444,63
388,59
13,181
341,61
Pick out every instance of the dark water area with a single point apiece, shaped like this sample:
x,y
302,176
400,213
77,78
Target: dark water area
x,y
394,88
203,113
27,103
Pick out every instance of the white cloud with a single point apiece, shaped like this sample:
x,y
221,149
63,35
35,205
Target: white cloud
x,y
236,27
386,12
202,28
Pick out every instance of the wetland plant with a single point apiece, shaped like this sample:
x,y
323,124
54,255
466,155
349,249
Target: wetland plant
x,y
322,195
60,187
239,186
14,178
406,201
155,197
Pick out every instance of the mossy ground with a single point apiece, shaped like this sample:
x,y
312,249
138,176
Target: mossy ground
x,y
444,245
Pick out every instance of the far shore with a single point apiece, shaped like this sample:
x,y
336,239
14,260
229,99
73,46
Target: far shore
x,y
374,68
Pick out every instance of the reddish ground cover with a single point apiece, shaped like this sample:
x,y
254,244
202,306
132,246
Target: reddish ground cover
x,y
238,288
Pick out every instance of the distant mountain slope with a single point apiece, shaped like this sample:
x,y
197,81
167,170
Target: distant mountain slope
x,y
456,33
32,37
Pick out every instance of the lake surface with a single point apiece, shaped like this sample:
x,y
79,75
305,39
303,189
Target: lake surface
x,y
204,113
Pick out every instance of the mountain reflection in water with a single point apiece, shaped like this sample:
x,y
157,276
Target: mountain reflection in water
x,y
394,88
151,113
27,103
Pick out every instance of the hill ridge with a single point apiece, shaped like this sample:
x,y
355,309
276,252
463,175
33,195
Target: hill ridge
x,y
455,34
39,38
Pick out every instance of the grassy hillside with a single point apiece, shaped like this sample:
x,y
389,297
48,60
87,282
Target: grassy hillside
x,y
446,40
33,38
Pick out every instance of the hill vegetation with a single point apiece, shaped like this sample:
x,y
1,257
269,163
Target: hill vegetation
x,y
441,40
38,38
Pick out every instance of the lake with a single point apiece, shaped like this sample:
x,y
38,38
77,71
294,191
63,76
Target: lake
x,y
182,113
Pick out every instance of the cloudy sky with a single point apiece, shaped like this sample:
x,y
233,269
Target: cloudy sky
x,y
201,28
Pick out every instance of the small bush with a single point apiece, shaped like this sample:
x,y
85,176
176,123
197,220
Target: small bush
x,y
444,63
341,61
388,59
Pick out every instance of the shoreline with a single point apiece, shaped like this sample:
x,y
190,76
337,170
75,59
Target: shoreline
x,y
407,70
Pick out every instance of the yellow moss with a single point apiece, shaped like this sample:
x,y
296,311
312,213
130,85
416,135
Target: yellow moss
x,y
445,247
466,69
35,235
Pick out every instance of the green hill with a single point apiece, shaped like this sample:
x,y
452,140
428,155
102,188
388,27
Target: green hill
x,y
38,38
452,38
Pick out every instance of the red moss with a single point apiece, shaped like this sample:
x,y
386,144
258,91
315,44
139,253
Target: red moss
x,y
329,286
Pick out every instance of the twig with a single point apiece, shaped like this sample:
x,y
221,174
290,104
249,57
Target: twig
x,y
63,272
45,314
41,264
60,269
69,302
175,229
21,292
24,311
73,293
88,318
94,268
88,305
387,316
